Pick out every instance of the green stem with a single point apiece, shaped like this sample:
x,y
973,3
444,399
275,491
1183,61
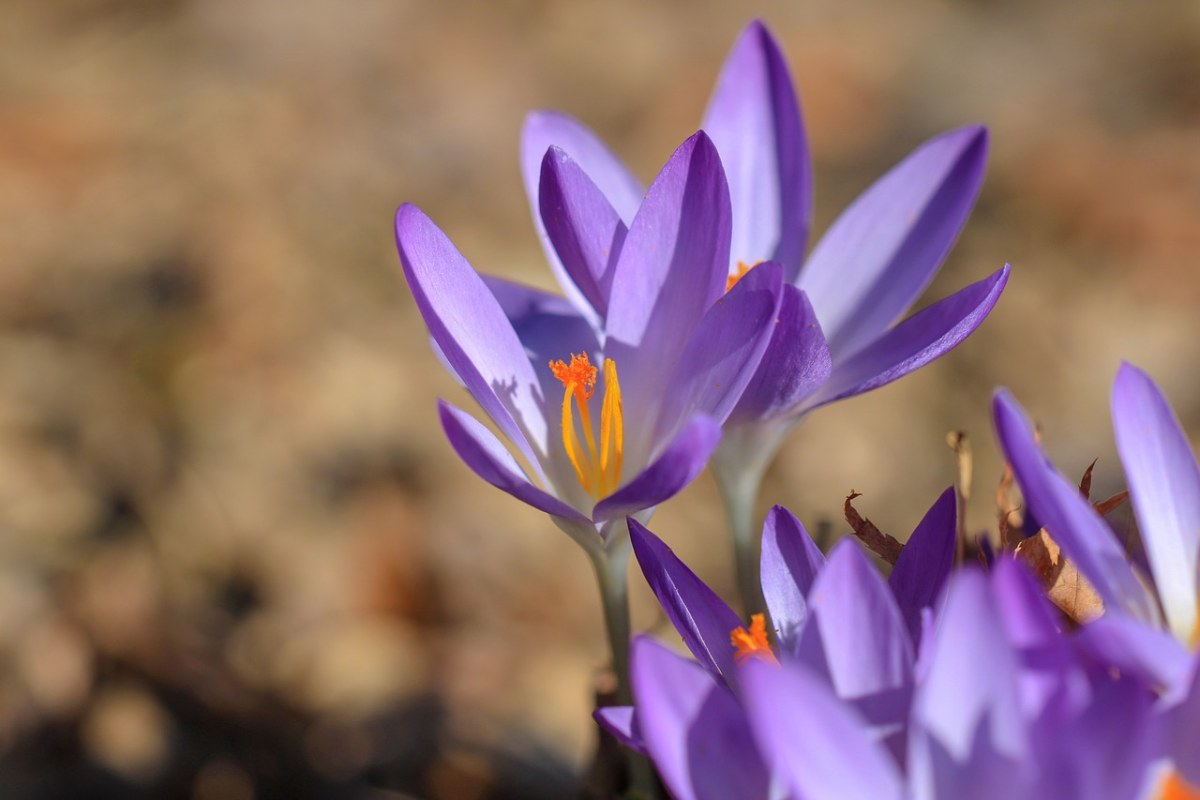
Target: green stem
x,y
612,576
738,493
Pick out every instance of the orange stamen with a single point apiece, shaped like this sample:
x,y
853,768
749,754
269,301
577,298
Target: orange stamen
x,y
1176,788
598,469
752,642
742,269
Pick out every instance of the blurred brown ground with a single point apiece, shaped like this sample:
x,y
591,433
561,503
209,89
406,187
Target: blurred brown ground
x,y
237,558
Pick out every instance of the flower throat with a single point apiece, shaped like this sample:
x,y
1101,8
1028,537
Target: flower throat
x,y
598,469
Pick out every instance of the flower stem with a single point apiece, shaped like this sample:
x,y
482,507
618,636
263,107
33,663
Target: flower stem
x,y
612,575
738,495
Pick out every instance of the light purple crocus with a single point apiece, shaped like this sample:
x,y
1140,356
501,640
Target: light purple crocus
x,y
1149,632
596,447
837,334
839,618
998,704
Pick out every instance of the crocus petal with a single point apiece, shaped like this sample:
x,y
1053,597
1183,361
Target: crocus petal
x,y
1153,656
816,743
550,328
1052,672
1164,485
881,253
702,618
696,732
678,465
621,723
790,563
487,457
544,129
925,562
1185,728
1108,749
672,267
1069,518
862,641
587,233
724,351
795,364
470,328
915,342
754,120
971,686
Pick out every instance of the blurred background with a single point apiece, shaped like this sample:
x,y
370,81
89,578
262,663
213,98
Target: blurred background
x,y
237,559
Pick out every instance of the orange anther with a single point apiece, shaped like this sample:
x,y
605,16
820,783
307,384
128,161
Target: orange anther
x,y
580,373
752,642
742,269
1176,788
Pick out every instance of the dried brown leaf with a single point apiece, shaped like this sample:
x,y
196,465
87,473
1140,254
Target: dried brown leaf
x,y
886,547
1065,587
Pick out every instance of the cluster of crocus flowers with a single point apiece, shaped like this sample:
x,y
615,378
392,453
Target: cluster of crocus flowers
x,y
943,683
836,334
692,292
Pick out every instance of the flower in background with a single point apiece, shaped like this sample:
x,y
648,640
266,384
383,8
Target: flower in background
x,y
882,691
839,618
837,334
1133,635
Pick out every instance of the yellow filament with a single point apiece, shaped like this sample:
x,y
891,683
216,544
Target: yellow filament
x,y
598,469
752,642
612,429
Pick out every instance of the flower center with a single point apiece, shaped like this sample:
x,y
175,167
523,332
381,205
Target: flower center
x,y
742,269
598,468
1176,788
752,642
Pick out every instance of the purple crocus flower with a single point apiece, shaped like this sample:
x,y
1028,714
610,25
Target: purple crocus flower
x,y
997,704
1151,633
839,618
837,333
981,724
597,447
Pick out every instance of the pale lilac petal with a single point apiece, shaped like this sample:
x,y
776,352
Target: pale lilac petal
x,y
813,741
1149,654
695,730
677,466
621,723
473,334
881,253
1164,486
724,351
861,640
795,365
1108,750
672,267
790,563
754,120
550,329
970,689
586,232
980,772
1185,727
544,129
925,562
1052,674
925,336
1059,506
702,618
486,456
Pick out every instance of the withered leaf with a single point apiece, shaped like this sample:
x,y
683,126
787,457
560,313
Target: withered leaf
x,y
1066,588
881,544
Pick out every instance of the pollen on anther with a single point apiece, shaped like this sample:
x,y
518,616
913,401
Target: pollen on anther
x,y
752,642
579,372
